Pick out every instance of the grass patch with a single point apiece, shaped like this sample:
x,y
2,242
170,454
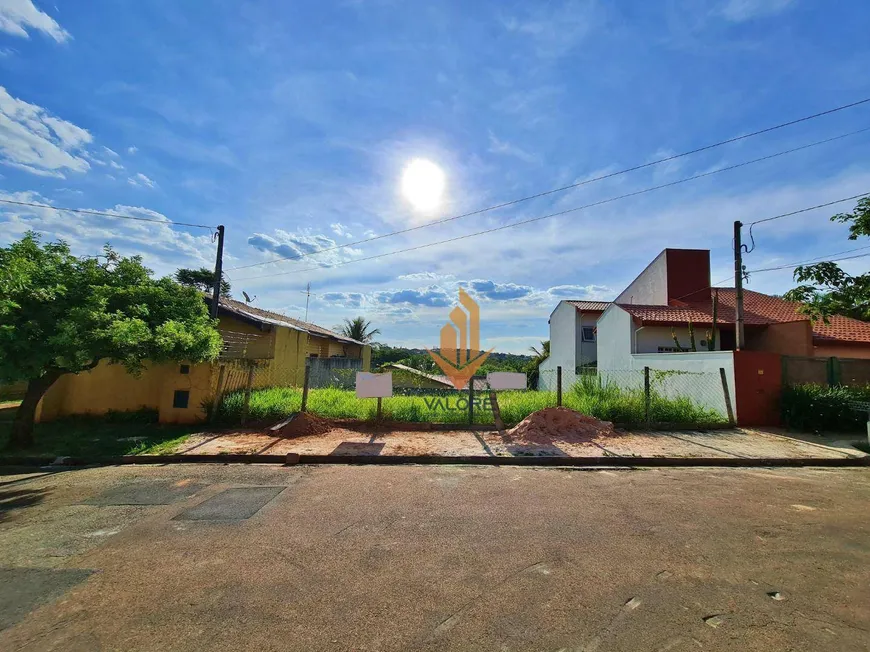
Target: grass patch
x,y
589,396
819,408
127,433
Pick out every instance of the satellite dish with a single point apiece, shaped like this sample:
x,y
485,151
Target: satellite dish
x,y
248,298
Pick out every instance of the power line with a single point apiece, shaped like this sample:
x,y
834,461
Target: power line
x,y
804,210
792,265
89,212
564,212
569,186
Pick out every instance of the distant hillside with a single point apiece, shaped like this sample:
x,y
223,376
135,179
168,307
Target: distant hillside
x,y
419,359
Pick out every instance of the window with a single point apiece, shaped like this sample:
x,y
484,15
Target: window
x,y
588,333
185,369
181,398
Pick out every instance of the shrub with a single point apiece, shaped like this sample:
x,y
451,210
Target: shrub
x,y
818,408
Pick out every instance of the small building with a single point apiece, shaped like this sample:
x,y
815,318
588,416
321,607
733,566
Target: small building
x,y
573,335
269,348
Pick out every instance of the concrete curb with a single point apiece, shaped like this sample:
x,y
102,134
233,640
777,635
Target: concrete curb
x,y
530,460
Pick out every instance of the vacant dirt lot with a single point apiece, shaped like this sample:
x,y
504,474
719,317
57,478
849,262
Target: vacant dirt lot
x,y
233,557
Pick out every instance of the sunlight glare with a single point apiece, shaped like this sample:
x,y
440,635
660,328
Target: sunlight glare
x,y
423,184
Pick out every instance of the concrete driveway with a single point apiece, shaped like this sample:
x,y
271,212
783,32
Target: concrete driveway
x,y
235,557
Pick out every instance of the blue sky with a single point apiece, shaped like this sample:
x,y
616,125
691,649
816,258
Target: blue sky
x,y
291,123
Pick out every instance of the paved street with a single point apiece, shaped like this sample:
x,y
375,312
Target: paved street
x,y
231,557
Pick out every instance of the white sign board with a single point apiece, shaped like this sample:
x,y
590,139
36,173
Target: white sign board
x,y
373,385
506,380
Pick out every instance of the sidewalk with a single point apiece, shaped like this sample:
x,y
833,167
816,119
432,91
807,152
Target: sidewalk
x,y
737,443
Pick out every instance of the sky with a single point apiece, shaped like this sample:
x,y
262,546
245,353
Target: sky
x,y
292,123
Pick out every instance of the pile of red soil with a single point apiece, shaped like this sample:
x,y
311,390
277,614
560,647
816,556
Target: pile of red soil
x,y
559,423
305,424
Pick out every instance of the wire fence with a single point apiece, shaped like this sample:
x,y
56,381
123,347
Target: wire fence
x,y
638,398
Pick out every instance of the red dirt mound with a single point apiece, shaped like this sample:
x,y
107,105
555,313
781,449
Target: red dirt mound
x,y
305,424
559,423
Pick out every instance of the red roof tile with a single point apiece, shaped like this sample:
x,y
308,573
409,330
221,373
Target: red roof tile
x,y
590,306
758,310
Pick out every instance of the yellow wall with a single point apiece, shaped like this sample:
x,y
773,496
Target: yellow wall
x,y
261,347
109,387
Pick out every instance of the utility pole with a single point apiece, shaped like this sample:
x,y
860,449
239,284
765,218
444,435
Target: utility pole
x,y
307,298
740,337
218,272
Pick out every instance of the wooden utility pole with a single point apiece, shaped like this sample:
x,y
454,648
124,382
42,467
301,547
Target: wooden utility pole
x,y
218,273
739,335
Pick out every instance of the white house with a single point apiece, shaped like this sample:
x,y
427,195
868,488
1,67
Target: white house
x,y
573,340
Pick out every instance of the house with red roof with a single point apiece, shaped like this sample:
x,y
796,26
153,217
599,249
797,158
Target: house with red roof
x,y
674,291
650,325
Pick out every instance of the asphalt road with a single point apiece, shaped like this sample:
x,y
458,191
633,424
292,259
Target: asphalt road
x,y
227,557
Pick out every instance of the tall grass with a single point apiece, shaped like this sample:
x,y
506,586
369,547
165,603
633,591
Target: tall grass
x,y
818,408
589,396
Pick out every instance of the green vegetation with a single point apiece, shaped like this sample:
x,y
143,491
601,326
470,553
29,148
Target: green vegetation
x,y
201,279
819,408
358,329
589,396
61,314
119,433
826,289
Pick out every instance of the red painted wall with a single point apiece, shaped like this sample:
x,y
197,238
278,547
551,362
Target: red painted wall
x,y
688,274
758,387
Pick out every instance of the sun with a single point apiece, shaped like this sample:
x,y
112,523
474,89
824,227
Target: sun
x,y
423,184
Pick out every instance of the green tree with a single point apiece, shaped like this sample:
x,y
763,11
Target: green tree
x,y
202,279
358,329
825,288
538,356
61,314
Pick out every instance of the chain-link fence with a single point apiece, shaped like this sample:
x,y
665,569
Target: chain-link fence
x,y
646,396
637,397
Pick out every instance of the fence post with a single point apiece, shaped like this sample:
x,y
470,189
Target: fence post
x,y
248,385
380,412
471,400
216,401
559,386
727,394
496,411
305,387
646,396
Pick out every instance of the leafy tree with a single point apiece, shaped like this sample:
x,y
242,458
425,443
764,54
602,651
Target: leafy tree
x,y
826,289
202,279
359,329
61,314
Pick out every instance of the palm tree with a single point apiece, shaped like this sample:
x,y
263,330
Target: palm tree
x,y
359,329
540,354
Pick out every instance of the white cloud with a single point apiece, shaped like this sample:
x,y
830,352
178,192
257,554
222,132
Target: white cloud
x,y
117,166
19,16
556,29
505,148
132,149
110,152
739,11
140,180
341,230
296,246
163,247
426,276
581,292
31,139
